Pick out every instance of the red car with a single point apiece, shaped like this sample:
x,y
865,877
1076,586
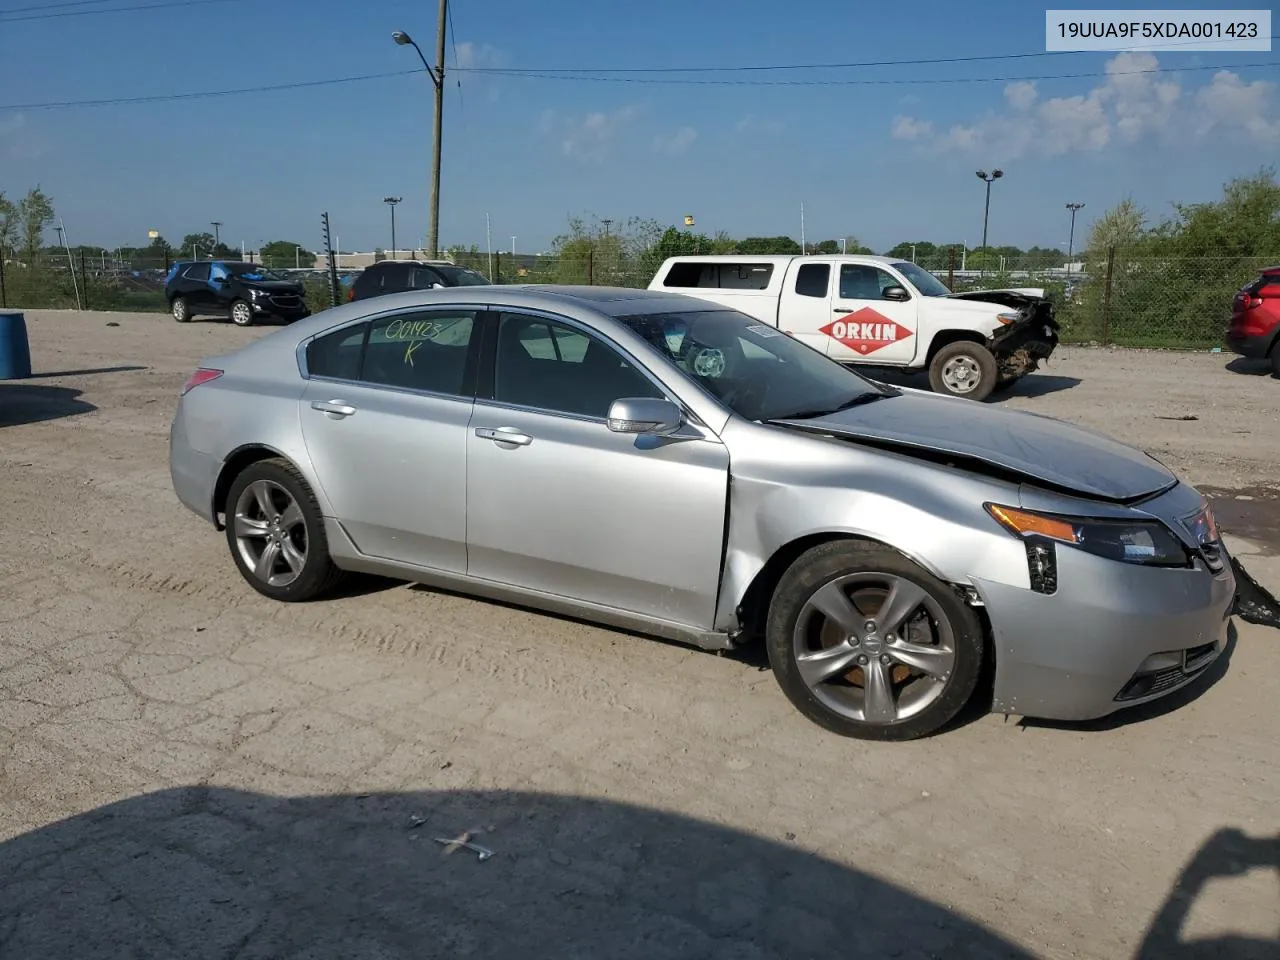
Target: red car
x,y
1255,319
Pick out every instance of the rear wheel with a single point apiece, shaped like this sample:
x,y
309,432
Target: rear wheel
x,y
181,312
276,533
241,314
867,644
963,369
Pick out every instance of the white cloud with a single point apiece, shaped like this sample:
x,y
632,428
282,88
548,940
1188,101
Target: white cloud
x,y
1131,105
676,144
907,128
477,56
589,138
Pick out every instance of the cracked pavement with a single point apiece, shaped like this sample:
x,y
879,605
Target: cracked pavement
x,y
188,769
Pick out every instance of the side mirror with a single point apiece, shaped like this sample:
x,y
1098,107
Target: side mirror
x,y
897,294
437,285
644,415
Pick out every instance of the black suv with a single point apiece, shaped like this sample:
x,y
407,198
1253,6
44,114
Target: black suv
x,y
245,292
398,276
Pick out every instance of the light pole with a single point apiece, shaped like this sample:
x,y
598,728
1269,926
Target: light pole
x,y
606,226
391,202
513,246
437,79
217,236
983,175
1073,207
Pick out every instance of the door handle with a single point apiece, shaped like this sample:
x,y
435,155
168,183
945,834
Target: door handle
x,y
504,435
335,408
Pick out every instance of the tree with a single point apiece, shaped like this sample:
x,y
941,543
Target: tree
x,y
198,246
35,212
286,253
8,224
769,245
1121,226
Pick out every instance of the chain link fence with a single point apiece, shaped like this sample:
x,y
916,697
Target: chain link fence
x,y
1116,296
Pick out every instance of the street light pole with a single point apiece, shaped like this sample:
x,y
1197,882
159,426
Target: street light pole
x,y
1073,207
391,202
437,79
217,237
989,178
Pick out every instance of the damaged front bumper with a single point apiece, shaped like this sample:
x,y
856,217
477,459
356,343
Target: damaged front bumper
x,y
1020,347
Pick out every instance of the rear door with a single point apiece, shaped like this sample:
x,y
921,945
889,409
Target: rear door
x,y
385,423
804,307
866,327
195,287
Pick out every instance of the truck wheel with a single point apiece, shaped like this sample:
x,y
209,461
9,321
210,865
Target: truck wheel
x,y
963,369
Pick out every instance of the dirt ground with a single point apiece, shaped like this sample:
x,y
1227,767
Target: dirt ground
x,y
190,770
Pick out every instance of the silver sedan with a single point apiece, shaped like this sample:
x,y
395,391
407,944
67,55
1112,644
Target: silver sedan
x,y
653,462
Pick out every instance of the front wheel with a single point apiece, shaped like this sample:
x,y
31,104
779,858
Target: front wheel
x,y
963,369
868,645
276,533
181,312
241,314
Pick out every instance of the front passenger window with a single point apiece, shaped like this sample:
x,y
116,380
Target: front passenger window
x,y
552,366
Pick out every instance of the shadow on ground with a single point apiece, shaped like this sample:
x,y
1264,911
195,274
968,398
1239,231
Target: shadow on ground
x,y
1032,385
202,872
84,373
33,403
1250,368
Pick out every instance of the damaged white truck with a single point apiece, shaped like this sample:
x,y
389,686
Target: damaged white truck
x,y
880,312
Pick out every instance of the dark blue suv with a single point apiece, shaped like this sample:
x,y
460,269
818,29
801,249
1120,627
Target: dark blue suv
x,y
245,292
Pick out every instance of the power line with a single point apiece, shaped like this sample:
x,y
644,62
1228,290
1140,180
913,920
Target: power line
x,y
159,98
55,6
751,68
4,18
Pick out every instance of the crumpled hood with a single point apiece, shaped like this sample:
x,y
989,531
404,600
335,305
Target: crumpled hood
x,y
1041,448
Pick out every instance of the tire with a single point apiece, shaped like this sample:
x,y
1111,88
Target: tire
x,y
299,535
943,637
241,313
1275,359
181,312
961,363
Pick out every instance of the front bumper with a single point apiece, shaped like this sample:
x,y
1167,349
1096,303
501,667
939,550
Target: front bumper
x,y
284,307
1254,346
1113,635
1020,347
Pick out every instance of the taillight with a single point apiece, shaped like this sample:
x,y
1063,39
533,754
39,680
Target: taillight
x,y
202,375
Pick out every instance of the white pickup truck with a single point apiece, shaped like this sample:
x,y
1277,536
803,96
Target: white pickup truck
x,y
881,312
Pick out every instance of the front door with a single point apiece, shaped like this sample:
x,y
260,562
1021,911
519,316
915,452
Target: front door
x,y
865,326
557,502
805,306
386,428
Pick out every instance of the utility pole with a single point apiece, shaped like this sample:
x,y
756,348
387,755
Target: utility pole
x,y
802,248
217,236
1073,207
437,78
513,246
488,242
982,175
391,202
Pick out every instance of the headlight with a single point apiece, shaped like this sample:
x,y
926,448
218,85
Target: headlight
x,y
255,292
1144,542
1006,318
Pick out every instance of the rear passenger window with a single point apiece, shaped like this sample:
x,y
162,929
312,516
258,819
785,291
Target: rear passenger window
x,y
725,276
813,279
337,355
424,350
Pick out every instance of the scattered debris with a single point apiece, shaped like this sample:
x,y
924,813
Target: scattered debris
x,y
1253,603
1188,416
791,836
112,323
446,765
416,822
464,841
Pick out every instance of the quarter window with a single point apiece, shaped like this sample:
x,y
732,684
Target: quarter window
x,y
336,355
552,366
198,271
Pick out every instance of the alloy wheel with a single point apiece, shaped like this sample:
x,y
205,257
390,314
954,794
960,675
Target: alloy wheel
x,y
270,533
874,647
241,314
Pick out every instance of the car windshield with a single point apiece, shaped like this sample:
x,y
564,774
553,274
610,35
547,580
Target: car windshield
x,y
755,370
254,271
922,280
461,276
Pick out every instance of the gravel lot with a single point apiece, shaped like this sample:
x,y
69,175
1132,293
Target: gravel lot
x,y
189,770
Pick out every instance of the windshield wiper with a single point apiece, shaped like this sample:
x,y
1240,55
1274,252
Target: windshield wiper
x,y
857,401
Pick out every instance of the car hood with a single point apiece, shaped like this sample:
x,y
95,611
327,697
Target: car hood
x,y
273,286
1040,449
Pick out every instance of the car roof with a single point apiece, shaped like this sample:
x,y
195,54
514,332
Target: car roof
x,y
780,257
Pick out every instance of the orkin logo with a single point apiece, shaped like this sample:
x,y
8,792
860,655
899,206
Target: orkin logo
x,y
866,331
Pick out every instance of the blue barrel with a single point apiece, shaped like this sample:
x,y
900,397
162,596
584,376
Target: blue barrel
x,y
15,352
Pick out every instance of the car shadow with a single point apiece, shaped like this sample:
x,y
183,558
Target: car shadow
x,y
1227,853
92,371
1154,708
1033,385
35,403
1248,367
204,872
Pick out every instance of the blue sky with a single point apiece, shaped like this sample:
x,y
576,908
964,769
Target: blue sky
x,y
880,162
